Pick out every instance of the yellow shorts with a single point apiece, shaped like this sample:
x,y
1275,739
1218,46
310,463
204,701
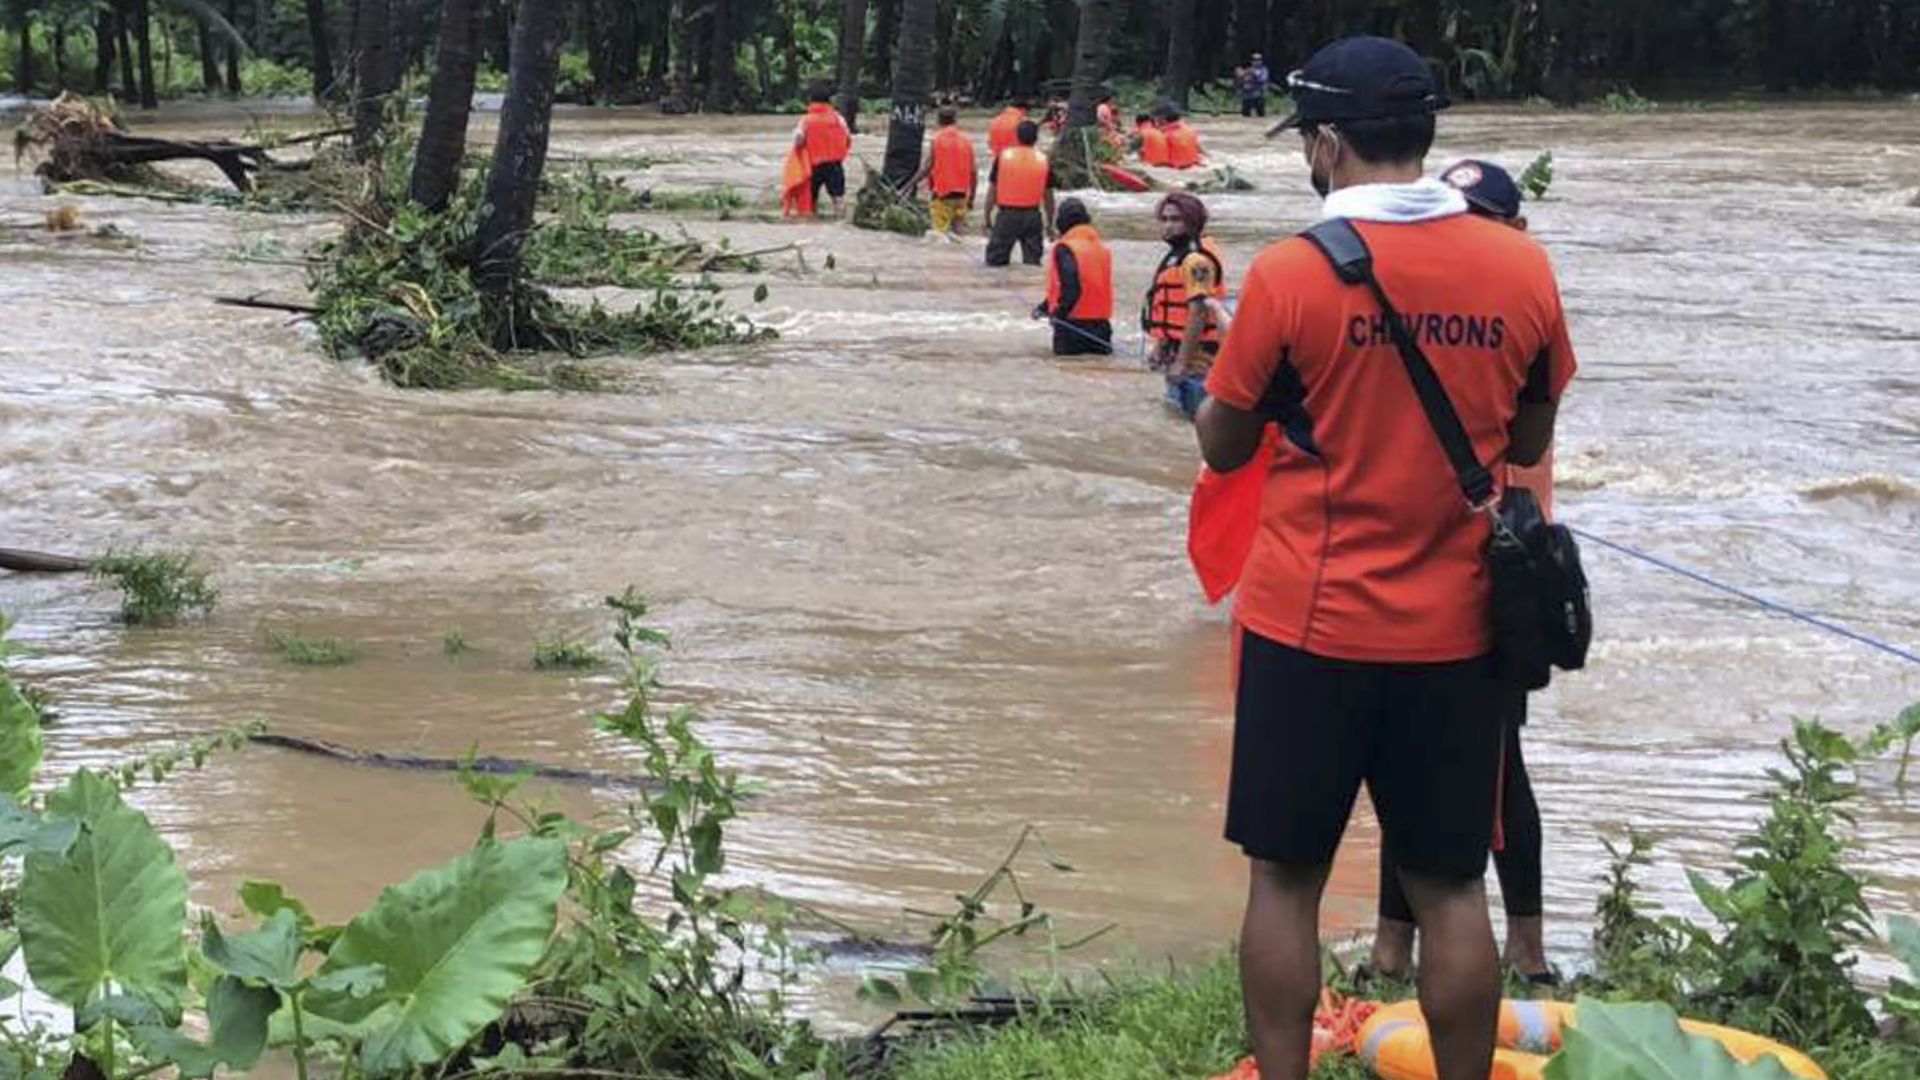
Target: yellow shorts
x,y
949,212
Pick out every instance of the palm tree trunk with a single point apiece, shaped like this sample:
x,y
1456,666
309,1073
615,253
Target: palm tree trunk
x,y
1179,81
104,33
721,42
520,153
23,56
233,49
371,60
123,27
143,38
853,36
1072,156
443,135
912,91
789,53
209,61
886,27
322,49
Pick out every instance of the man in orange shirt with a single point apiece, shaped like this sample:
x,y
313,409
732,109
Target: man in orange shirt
x,y
1153,141
950,174
1183,141
823,133
1020,200
1363,608
1079,286
1003,131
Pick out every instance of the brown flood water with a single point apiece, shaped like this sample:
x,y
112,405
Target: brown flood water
x,y
927,583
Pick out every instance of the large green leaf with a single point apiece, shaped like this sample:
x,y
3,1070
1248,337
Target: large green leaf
x,y
19,740
270,954
23,830
237,1019
112,911
1903,934
1645,1042
456,943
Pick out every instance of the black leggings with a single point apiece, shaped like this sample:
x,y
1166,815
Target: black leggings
x,y
1518,863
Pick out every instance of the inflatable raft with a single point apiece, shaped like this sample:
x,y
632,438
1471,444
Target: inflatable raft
x,y
1393,1042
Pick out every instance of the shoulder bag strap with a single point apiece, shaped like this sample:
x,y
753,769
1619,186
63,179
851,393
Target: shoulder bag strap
x,y
1346,249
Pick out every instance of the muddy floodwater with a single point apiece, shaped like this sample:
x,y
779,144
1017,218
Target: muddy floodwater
x,y
927,583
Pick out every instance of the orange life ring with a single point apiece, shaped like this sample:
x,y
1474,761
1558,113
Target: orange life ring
x,y
1394,1044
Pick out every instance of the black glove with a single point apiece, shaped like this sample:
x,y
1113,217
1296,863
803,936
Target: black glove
x,y
1040,311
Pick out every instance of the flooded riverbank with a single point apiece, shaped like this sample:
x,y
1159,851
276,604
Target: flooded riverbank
x,y
929,584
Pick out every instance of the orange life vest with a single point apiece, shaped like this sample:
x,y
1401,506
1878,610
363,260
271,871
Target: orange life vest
x,y
1021,182
952,172
827,138
1004,133
1095,265
1153,145
1166,314
1183,145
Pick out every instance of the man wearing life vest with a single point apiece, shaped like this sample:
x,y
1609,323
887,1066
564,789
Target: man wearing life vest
x,y
1364,611
1153,141
822,133
950,174
1003,131
1183,315
1019,200
1079,286
1183,142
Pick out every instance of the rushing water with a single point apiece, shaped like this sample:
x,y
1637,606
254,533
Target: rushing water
x,y
928,583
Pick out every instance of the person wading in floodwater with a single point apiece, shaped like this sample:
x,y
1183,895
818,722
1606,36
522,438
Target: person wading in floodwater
x,y
1019,200
1491,193
1183,315
1365,642
1079,286
823,134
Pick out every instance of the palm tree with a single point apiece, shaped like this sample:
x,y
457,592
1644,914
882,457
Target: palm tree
x,y
853,38
720,58
371,79
520,152
912,86
1073,153
1179,79
443,135
323,74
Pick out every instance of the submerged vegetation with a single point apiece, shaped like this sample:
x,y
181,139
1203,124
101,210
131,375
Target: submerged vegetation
x,y
305,651
565,654
157,588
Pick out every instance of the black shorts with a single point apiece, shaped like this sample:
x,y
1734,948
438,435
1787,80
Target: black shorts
x,y
831,175
1424,738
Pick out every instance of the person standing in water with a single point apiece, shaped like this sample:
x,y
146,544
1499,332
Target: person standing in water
x,y
822,133
1183,141
1183,315
1019,201
1252,81
1490,193
950,174
1003,131
1079,286
1152,141
1364,615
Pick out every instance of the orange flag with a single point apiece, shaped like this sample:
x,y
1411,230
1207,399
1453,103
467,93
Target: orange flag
x,y
796,184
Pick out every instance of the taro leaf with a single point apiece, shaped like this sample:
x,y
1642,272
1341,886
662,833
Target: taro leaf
x,y
270,954
24,830
457,943
120,1008
264,898
19,740
1645,1042
113,909
237,1016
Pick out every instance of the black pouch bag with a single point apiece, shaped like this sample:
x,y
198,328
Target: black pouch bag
x,y
1541,615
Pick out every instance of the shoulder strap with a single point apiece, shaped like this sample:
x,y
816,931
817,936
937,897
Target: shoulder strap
x,y
1347,250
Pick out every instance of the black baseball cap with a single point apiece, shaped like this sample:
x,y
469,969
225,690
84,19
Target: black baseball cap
x,y
1488,187
1362,78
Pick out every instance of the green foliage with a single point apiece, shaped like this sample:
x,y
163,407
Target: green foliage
x,y
157,588
1644,1042
455,943
1537,177
1627,100
155,766
565,654
312,651
721,201
454,643
877,206
109,914
1792,915
237,1017
1901,731
1903,997
20,740
1636,955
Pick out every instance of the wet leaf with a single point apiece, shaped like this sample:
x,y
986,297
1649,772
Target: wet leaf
x,y
20,745
1645,1042
113,909
879,991
237,1016
270,954
24,831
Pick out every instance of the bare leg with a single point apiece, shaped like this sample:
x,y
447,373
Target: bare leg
x,y
1392,947
1280,964
1459,973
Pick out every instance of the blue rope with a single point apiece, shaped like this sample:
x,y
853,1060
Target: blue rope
x,y
1090,336
1751,598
